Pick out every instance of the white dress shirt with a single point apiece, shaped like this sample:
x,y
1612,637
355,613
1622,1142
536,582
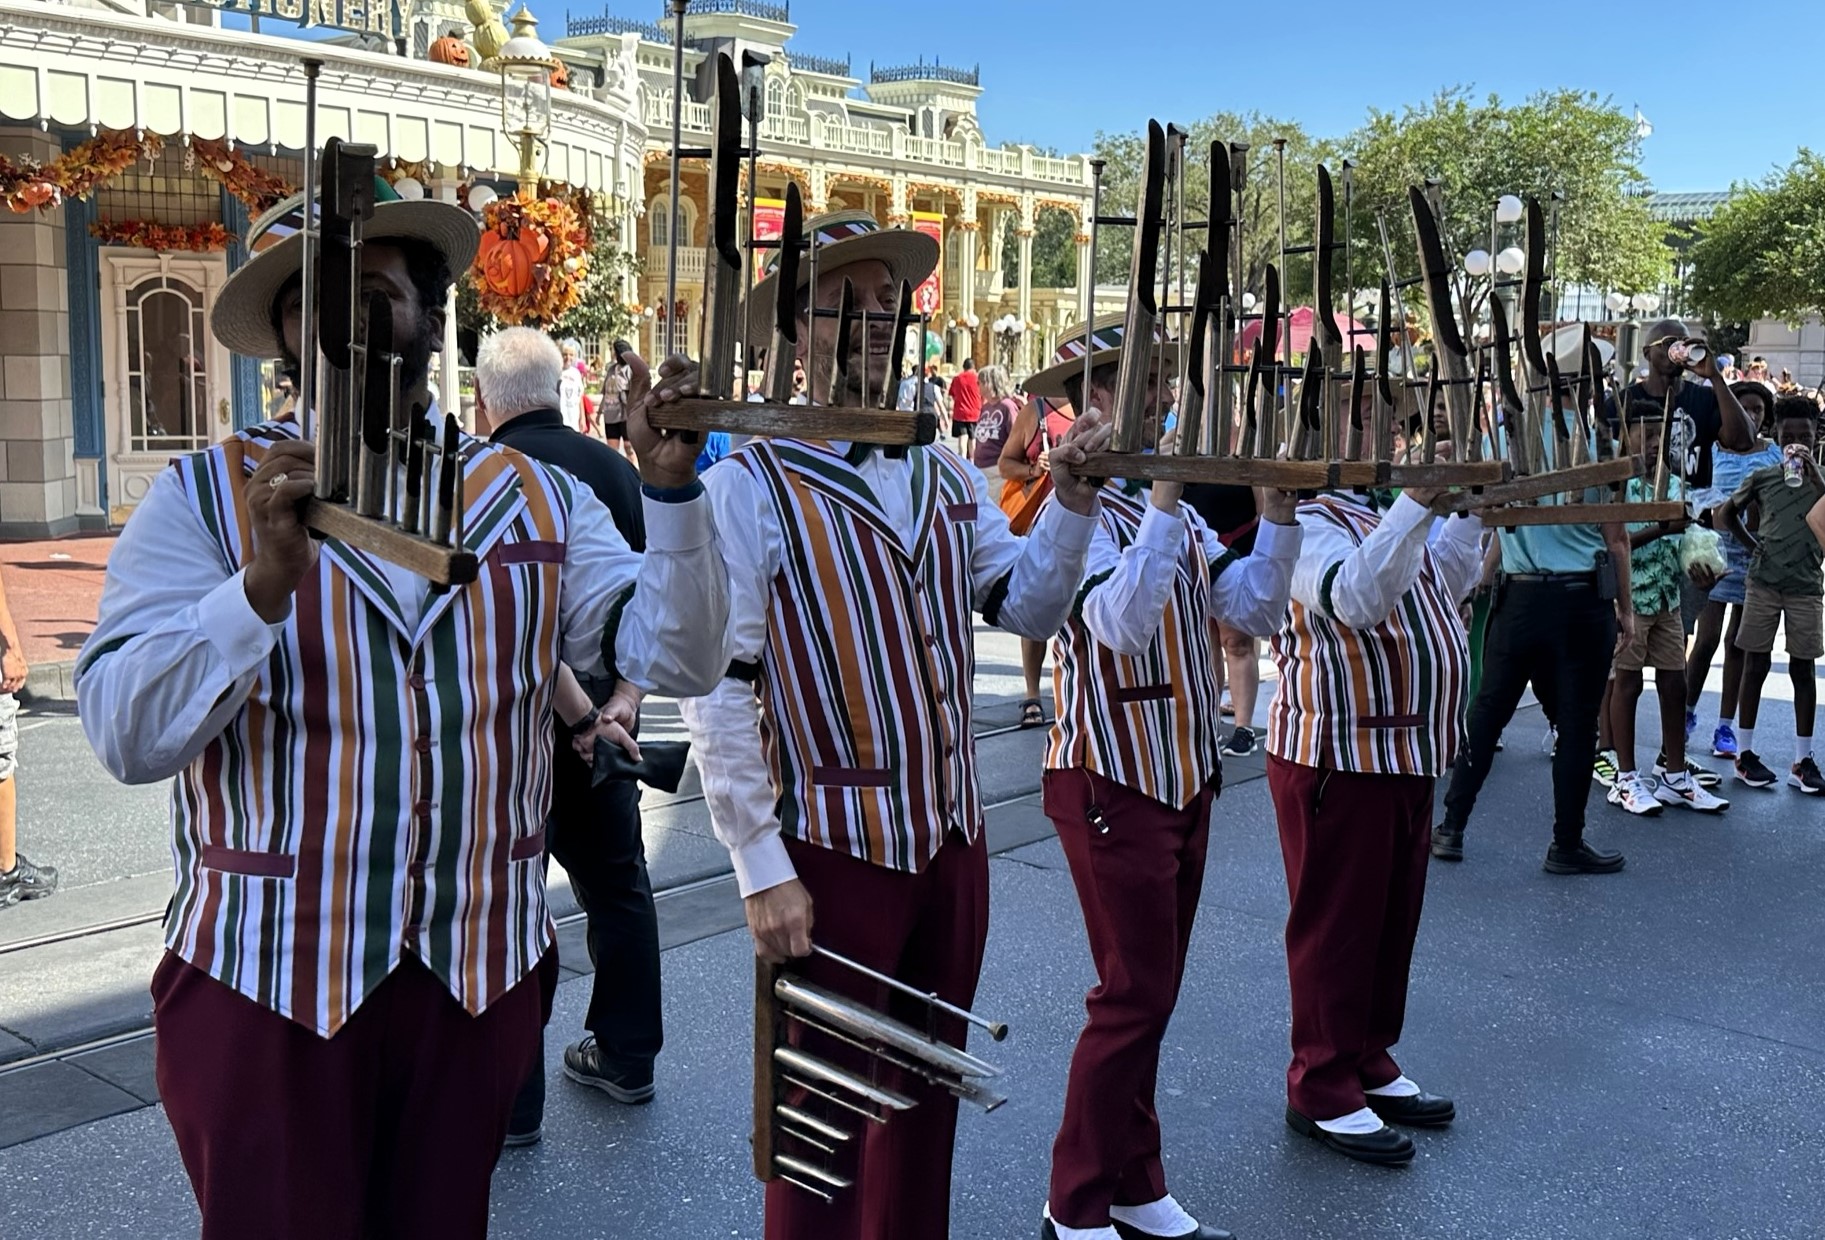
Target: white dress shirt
x,y
191,645
1123,612
1373,576
1044,570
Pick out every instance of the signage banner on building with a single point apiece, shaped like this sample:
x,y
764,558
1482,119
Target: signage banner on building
x,y
928,297
367,16
769,223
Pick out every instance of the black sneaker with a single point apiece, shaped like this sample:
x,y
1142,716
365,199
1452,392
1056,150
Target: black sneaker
x,y
1581,860
583,1064
1447,845
1241,743
26,881
1805,777
1752,770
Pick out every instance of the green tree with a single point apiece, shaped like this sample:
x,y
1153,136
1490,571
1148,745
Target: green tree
x,y
1054,250
1763,254
1260,207
1563,141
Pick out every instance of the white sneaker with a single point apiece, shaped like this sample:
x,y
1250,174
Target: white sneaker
x,y
1681,789
1633,794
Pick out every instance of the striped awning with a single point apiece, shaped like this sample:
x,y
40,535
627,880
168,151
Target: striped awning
x,y
70,68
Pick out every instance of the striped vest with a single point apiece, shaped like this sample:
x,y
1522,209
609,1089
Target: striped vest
x,y
1387,700
865,681
1147,722
382,792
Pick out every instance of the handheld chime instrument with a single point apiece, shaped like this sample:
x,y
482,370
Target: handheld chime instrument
x,y
727,274
387,482
1265,422
807,1106
1325,423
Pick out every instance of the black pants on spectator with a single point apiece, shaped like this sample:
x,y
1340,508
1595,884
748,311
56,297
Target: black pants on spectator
x,y
594,833
1560,636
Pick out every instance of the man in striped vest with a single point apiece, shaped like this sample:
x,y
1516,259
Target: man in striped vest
x,y
359,959
838,759
1368,713
1132,768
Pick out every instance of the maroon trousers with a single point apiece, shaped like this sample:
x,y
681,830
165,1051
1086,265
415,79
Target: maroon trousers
x,y
389,1130
1355,848
927,930
1139,868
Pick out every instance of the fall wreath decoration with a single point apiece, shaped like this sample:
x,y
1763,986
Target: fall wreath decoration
x,y
533,258
77,173
206,238
257,188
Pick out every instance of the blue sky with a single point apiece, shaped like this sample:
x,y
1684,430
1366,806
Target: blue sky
x,y
1732,90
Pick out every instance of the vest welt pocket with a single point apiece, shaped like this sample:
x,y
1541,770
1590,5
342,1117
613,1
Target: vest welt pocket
x,y
1122,695
528,847
1391,721
852,776
248,862
528,551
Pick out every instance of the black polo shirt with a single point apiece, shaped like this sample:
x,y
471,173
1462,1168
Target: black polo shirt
x,y
542,435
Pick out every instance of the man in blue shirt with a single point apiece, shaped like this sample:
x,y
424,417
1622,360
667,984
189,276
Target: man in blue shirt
x,y
1561,611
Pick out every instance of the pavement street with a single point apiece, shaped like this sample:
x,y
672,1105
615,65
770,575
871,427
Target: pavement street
x,y
1633,1056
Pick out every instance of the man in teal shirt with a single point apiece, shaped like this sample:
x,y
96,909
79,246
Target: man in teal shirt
x,y
1561,608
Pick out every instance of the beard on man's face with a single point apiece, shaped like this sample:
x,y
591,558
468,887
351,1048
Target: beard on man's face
x,y
414,356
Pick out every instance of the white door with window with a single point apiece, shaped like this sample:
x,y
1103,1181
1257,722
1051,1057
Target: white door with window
x,y
167,380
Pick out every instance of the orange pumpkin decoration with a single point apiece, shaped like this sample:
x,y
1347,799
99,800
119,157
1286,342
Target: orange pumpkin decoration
x,y
449,50
507,262
560,77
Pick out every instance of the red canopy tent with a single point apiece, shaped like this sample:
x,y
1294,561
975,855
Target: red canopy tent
x,y
1355,335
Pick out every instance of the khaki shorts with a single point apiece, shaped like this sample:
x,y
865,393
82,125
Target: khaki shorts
x,y
1660,643
1763,611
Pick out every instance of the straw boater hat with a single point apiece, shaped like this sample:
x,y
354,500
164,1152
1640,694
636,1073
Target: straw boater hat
x,y
1104,345
242,318
843,238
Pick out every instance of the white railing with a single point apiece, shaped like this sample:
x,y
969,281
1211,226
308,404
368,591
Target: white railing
x,y
833,135
690,263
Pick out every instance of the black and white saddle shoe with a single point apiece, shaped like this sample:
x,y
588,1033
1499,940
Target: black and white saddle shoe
x,y
1421,1110
1384,1147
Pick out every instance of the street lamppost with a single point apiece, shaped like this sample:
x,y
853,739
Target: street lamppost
x,y
525,66
1007,331
1631,306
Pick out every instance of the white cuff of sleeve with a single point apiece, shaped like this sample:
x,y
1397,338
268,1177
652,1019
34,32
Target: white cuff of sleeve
x,y
1278,542
234,628
1161,531
682,526
1065,529
762,863
1466,527
1407,513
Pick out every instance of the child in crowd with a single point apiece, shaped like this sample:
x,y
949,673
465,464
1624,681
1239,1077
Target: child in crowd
x,y
1660,643
1785,584
1728,469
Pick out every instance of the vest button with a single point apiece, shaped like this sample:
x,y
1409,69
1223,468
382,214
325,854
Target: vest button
x,y
423,809
416,869
409,936
422,744
930,640
417,680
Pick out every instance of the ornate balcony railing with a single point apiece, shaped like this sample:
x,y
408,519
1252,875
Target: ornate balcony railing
x,y
819,64
922,72
608,23
745,8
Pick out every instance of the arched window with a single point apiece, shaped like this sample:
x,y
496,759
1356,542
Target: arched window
x,y
167,366
776,97
659,221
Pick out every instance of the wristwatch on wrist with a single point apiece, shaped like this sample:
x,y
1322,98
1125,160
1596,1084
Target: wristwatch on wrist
x,y
586,722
